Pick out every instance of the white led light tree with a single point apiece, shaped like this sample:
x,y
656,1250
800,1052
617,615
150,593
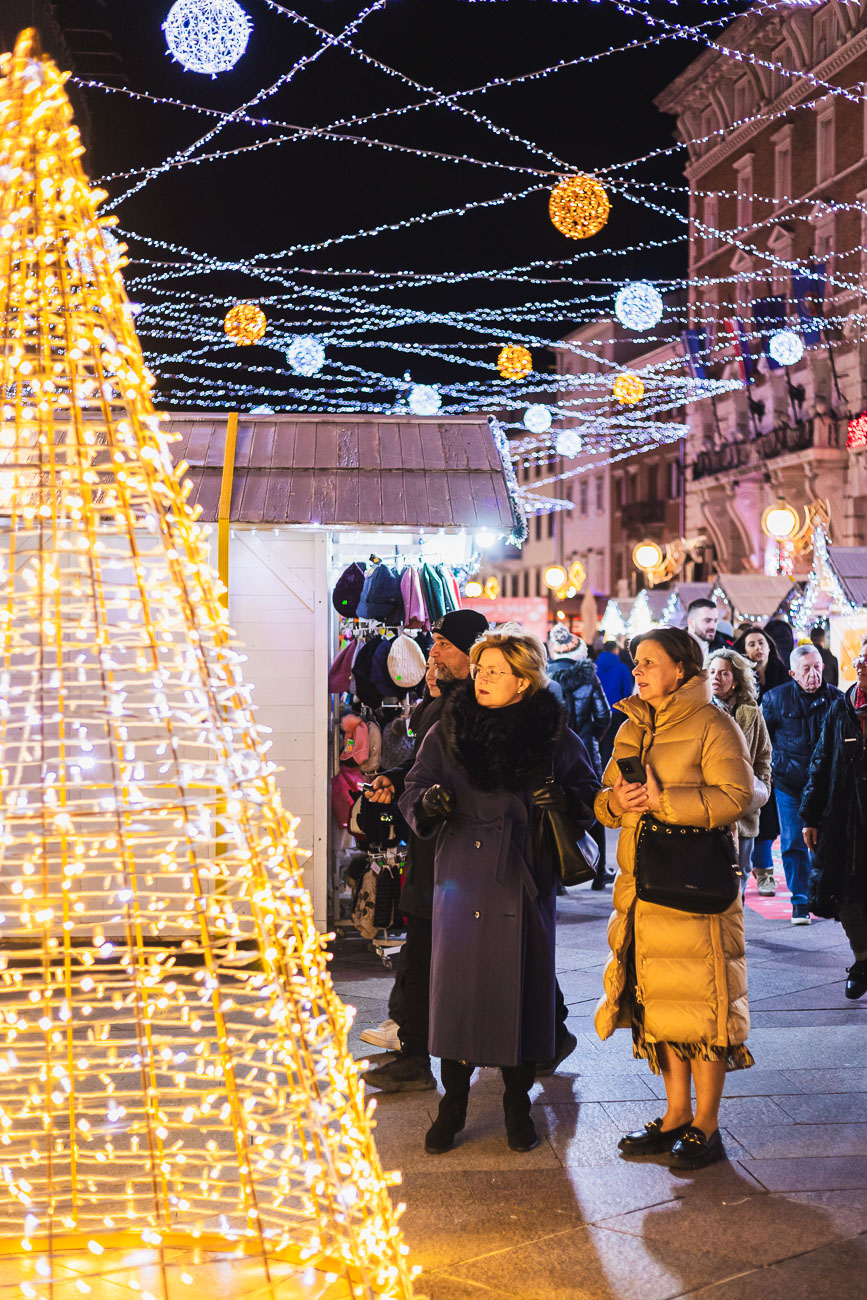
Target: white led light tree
x,y
176,1080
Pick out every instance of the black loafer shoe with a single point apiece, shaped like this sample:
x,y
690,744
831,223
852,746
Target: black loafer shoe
x,y
694,1150
651,1140
856,984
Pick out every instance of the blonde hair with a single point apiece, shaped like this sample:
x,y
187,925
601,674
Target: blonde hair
x,y
524,654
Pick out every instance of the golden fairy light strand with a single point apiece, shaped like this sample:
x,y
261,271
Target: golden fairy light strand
x,y
175,1062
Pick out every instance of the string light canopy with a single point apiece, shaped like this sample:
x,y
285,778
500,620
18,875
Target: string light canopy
x,y
628,388
638,305
245,323
424,399
306,355
514,362
786,347
579,206
207,36
538,418
177,1081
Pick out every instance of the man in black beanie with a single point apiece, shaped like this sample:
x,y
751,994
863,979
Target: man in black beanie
x,y
410,1071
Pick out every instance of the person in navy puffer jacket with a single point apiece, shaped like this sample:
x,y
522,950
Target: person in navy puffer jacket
x,y
617,684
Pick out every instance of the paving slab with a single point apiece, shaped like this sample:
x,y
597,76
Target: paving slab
x,y
836,1271
801,1174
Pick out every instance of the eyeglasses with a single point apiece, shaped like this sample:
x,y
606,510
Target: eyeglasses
x,y
488,674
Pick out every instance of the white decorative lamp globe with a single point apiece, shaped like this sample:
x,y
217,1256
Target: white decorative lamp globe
x,y
568,443
786,347
638,305
537,418
305,354
424,399
207,36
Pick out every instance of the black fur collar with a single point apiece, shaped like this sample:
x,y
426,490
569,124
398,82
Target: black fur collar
x,y
502,749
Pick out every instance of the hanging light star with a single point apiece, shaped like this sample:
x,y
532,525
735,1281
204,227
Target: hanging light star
x,y
424,399
207,36
306,355
245,323
514,362
537,418
638,305
628,388
579,206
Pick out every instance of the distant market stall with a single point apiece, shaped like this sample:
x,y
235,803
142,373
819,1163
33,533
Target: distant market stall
x,y
753,597
836,593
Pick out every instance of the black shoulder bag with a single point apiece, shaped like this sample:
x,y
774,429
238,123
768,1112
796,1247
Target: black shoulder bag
x,y
687,868
575,853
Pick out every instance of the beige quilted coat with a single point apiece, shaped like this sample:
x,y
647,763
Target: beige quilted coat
x,y
690,969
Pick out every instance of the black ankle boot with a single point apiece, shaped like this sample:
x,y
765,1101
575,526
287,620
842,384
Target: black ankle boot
x,y
452,1114
520,1130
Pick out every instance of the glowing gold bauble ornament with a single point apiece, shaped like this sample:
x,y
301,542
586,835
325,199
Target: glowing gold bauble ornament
x,y
514,362
492,589
245,323
579,206
628,388
577,575
177,1083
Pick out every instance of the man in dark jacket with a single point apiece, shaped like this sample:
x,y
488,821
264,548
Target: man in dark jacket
x,y
702,618
616,681
410,1071
830,662
795,714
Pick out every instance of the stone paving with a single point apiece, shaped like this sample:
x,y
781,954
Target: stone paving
x,y
784,1218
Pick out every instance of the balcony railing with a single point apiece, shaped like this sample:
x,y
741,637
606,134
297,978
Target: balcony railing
x,y
782,440
639,513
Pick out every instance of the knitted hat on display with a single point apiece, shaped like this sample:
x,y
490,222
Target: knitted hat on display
x,y
347,591
406,663
374,749
340,672
462,627
355,739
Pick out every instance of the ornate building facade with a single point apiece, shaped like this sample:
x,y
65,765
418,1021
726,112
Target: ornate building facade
x,y
776,126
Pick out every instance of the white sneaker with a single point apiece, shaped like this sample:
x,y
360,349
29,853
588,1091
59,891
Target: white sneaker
x,y
384,1035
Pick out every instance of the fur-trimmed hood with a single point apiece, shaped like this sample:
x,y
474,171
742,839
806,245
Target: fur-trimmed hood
x,y
502,749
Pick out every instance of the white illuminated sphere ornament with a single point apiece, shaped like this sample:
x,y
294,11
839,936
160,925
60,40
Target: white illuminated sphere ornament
x,y
786,347
638,305
568,443
207,36
305,354
424,399
537,418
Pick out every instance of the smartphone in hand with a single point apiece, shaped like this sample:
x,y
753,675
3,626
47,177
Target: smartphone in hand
x,y
632,770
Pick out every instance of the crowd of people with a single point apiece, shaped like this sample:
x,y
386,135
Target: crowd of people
x,y
729,737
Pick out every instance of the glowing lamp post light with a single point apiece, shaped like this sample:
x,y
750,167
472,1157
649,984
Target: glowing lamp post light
x,y
473,589
780,521
555,577
647,556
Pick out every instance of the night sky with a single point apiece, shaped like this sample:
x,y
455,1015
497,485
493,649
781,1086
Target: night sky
x,y
590,116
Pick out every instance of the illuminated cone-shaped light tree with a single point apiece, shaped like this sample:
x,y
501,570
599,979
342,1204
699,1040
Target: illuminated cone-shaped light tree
x,y
175,1075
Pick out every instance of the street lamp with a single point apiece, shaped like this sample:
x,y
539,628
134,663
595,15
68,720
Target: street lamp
x,y
555,576
473,589
780,521
647,556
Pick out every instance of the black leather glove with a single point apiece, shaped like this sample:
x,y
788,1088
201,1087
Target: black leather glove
x,y
438,802
550,795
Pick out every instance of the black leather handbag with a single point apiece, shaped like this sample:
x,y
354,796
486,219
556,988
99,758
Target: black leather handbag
x,y
687,868
575,853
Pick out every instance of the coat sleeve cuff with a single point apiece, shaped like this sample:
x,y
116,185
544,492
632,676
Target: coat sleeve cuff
x,y
604,815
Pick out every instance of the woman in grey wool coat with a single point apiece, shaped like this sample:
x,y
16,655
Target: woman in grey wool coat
x,y
479,777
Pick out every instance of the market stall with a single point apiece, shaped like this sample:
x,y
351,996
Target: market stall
x,y
295,501
836,593
753,597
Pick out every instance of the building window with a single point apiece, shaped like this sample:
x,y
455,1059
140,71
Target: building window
x,y
526,582
744,172
538,528
582,495
551,515
824,34
538,582
783,165
600,494
674,480
784,60
515,580
711,223
744,99
825,241
618,566
652,482
825,146
618,490
708,124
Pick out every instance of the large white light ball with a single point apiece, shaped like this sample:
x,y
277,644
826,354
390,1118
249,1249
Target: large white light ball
x,y
537,418
568,443
207,35
424,399
638,305
305,354
786,347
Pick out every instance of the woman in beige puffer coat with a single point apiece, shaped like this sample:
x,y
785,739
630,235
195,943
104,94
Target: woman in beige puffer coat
x,y
677,978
